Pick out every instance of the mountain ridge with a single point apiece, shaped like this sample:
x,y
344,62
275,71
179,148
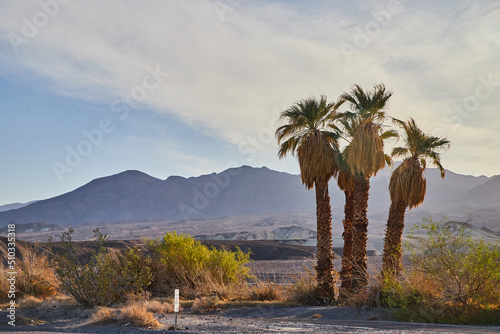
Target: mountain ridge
x,y
136,196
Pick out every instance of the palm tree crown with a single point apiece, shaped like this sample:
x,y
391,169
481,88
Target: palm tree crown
x,y
307,135
407,181
365,153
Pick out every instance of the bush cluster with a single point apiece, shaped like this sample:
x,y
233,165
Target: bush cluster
x,y
453,279
182,262
106,278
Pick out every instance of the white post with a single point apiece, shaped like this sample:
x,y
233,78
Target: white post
x,y
176,306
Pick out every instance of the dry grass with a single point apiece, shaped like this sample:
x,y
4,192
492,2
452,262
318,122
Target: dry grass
x,y
55,302
156,306
25,321
104,316
36,277
4,285
138,315
304,291
30,302
204,304
267,291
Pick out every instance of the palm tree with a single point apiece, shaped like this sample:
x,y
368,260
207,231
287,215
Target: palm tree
x,y
345,181
407,187
307,135
365,157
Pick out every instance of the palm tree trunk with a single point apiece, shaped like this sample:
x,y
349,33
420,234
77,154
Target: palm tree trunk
x,y
360,234
324,268
392,258
345,273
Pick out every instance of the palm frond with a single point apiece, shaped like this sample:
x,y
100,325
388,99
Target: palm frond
x,y
308,134
407,181
399,152
390,134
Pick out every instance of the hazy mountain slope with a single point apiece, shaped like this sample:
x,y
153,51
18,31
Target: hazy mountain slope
x,y
485,195
100,200
14,206
135,196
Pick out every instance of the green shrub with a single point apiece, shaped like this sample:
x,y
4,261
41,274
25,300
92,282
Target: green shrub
x,y
467,270
105,279
183,262
454,278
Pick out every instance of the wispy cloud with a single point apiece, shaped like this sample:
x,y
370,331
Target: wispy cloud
x,y
228,77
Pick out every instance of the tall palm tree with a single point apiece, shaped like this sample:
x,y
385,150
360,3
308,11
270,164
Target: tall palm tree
x,y
407,187
307,135
345,181
365,157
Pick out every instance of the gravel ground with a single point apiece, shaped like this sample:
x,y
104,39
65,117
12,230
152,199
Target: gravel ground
x,y
301,319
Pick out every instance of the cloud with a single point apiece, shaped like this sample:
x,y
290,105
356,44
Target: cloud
x,y
231,69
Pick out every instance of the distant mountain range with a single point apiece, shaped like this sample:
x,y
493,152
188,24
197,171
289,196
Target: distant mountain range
x,y
12,206
135,196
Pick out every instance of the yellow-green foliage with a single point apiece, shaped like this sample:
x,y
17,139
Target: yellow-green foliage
x,y
183,262
455,279
467,270
104,279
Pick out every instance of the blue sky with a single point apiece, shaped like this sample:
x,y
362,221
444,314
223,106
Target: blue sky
x,y
89,89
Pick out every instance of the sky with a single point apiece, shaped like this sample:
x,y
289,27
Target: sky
x,y
92,88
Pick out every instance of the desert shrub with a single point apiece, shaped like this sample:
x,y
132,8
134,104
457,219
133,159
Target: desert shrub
x,y
467,270
412,290
30,302
159,307
4,285
135,313
183,262
267,291
138,315
304,291
105,279
103,316
204,304
36,277
453,279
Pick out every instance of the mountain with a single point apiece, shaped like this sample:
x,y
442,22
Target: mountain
x,y
13,206
137,197
485,195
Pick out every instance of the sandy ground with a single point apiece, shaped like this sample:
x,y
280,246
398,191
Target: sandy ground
x,y
260,319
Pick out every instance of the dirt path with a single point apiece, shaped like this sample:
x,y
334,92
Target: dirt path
x,y
300,319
